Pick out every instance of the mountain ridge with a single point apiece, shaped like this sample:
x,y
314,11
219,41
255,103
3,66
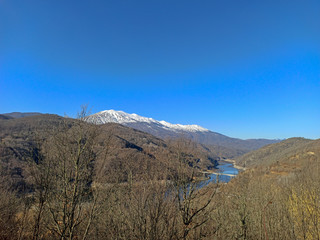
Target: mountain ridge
x,y
164,130
21,114
122,117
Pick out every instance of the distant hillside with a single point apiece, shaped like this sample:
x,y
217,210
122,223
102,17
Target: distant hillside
x,y
138,152
282,152
21,114
165,130
5,117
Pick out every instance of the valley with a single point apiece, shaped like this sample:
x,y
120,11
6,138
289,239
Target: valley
x,y
118,180
159,120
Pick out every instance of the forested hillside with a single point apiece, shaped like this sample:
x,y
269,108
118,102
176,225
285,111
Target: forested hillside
x,y
126,148
277,197
273,152
66,179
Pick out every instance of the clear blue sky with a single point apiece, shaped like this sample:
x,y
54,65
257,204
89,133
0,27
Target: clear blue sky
x,y
247,69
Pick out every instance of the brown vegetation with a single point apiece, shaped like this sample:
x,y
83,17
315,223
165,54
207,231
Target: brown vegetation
x,y
66,179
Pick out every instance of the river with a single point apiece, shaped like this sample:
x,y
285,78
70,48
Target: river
x,y
225,171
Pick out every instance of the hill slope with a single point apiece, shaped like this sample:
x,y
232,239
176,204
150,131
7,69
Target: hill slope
x,y
5,117
129,149
291,151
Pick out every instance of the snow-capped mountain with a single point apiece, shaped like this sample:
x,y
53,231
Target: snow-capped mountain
x,y
127,119
164,130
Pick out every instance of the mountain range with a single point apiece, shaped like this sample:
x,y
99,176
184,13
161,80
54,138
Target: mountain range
x,y
165,130
134,169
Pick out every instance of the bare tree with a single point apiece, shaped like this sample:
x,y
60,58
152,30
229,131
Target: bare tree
x,y
194,202
66,180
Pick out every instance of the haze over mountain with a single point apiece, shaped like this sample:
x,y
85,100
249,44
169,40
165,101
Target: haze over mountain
x,y
21,114
164,129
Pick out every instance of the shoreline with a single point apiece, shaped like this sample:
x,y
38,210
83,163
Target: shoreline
x,y
217,173
234,164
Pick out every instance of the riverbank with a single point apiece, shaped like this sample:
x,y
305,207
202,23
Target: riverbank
x,y
223,172
234,164
219,173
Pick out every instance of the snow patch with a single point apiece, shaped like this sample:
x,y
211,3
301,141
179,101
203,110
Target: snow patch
x,y
121,117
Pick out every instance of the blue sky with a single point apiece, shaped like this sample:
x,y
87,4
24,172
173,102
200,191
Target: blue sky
x,y
247,69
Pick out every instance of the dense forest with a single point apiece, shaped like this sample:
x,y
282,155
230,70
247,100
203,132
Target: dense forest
x,y
63,178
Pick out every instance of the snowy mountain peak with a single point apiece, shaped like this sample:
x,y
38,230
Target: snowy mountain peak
x,y
127,119
118,117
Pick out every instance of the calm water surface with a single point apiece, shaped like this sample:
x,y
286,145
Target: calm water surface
x,y
222,168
